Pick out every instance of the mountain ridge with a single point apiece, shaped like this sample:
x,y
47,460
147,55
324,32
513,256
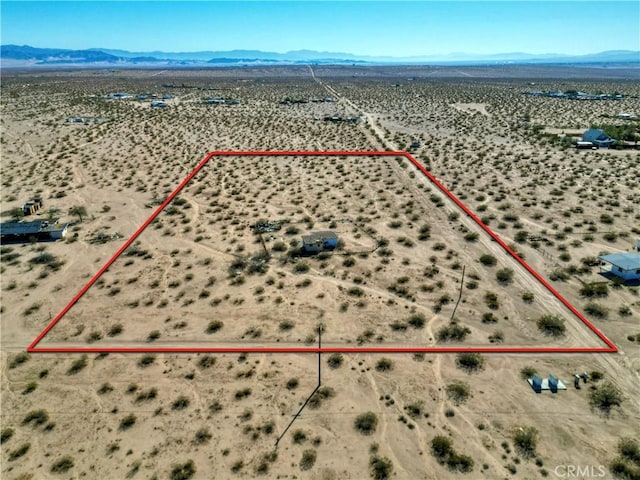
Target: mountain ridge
x,y
34,56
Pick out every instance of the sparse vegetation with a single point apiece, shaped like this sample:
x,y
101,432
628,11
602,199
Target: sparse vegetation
x,y
366,423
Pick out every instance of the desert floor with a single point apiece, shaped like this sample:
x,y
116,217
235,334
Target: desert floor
x,y
199,276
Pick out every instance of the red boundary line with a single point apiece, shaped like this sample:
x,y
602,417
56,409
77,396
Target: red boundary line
x,y
610,348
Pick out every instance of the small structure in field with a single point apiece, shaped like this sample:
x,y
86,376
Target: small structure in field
x,y
622,265
38,230
319,242
586,145
32,206
597,137
550,383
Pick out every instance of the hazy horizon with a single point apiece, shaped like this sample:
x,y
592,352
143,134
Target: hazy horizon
x,y
364,28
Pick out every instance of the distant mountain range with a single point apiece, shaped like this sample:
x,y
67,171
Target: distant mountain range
x,y
26,56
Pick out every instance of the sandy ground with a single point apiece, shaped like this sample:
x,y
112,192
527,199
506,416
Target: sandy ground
x,y
192,267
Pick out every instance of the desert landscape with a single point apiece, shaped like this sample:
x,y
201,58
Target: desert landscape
x,y
229,263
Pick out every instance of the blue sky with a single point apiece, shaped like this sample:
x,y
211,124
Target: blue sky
x,y
360,27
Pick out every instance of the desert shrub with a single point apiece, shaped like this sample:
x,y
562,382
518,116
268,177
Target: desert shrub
x,y
525,440
594,290
470,362
299,436
78,365
183,471
6,434
31,386
323,393
417,320
629,449
528,297
551,325
242,393
441,447
301,267
115,330
452,332
335,360
19,359
206,361
414,410
153,336
308,459
527,372
380,468
127,422
62,465
203,435
459,462
606,396
19,452
488,260
366,423
384,365
292,383
146,395
596,310
37,417
504,276
458,392
214,326
286,325
491,299
489,317
146,360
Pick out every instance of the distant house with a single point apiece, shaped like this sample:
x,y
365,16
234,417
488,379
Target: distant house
x,y
597,137
39,230
319,241
32,206
623,265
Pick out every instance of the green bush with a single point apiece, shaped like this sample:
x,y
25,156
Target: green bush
x,y
308,459
335,360
366,423
214,326
470,362
551,325
37,417
441,447
488,260
381,468
62,465
78,365
6,434
504,276
596,310
384,365
525,440
417,320
183,471
127,422
19,452
606,396
452,332
458,392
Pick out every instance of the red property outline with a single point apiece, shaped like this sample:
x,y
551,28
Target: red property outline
x,y
610,348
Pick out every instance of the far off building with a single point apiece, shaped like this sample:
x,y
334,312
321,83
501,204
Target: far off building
x,y
319,242
598,138
622,265
38,230
32,206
